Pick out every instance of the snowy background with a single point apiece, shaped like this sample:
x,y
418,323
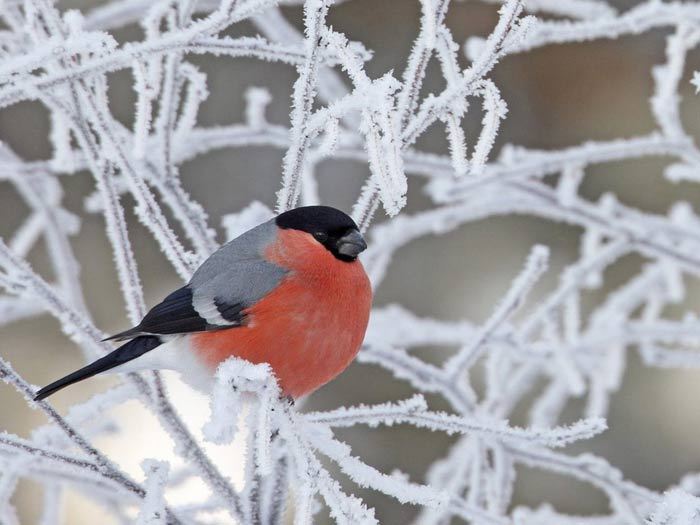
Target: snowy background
x,y
607,331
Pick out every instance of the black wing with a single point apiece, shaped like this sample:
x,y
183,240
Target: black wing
x,y
176,315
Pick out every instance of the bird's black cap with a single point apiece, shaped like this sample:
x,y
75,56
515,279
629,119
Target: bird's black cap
x,y
314,219
331,227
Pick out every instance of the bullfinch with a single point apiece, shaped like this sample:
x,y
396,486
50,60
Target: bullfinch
x,y
289,292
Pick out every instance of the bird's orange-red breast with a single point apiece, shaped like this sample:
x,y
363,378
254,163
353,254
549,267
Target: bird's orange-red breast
x,y
290,292
309,328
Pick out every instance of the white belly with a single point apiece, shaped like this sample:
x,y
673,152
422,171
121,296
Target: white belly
x,y
176,355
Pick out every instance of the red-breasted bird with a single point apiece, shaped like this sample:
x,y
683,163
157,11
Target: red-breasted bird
x,y
290,292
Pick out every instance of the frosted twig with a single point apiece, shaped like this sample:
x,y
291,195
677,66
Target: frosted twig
x,y
8,375
434,12
636,20
435,106
304,92
440,421
535,266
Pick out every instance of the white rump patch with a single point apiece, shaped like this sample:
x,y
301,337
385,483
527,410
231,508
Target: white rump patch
x,y
174,354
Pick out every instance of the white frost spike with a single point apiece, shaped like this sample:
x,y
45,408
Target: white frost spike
x,y
9,479
302,102
447,50
677,508
458,148
572,318
607,204
365,207
366,476
263,430
681,171
591,242
569,182
304,500
345,509
27,235
152,510
535,266
330,138
495,110
75,22
452,424
14,309
89,415
196,93
593,10
309,186
518,35
394,325
235,377
690,483
143,110
52,502
63,157
665,103
673,279
447,54
473,47
372,415
257,100
614,367
681,214
546,410
226,408
383,143
428,23
393,196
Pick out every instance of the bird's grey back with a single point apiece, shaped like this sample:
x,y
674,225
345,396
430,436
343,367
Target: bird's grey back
x,y
237,272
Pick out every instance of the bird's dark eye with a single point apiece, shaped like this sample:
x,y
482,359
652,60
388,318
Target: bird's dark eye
x,y
321,237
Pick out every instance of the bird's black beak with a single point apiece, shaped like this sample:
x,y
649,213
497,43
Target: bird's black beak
x,y
351,244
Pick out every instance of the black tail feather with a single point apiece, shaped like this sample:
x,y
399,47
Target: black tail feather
x,y
126,334
126,352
